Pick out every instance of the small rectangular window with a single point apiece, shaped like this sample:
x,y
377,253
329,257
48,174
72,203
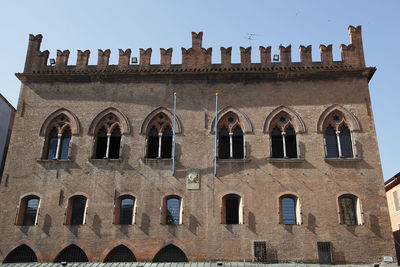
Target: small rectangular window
x,y
324,252
260,251
396,201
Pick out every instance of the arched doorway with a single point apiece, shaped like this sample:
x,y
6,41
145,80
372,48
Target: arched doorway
x,y
120,254
22,253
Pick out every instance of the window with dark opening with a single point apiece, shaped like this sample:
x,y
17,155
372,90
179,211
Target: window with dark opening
x,y
288,209
108,138
115,142
28,211
159,137
231,144
324,252
124,209
120,254
173,209
348,209
170,253
166,143
21,254
260,251
230,209
331,143
72,253
223,143
337,137
65,140
283,137
58,139
76,210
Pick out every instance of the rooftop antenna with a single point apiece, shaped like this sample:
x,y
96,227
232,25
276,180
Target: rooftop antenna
x,y
250,37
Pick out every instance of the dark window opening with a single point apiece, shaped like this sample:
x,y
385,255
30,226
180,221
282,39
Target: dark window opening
x,y
126,211
22,253
237,143
115,142
120,254
78,210
72,253
101,145
31,212
232,209
166,143
223,143
288,209
331,143
324,252
260,251
65,140
277,143
152,143
345,142
348,211
291,145
173,210
52,144
170,253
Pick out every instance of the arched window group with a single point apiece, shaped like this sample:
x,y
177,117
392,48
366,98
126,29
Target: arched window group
x,y
58,138
159,137
283,137
338,141
231,143
283,126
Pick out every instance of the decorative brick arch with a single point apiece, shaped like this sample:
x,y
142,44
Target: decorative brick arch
x,y
148,119
27,243
244,120
113,245
65,246
122,121
176,244
349,117
72,121
295,119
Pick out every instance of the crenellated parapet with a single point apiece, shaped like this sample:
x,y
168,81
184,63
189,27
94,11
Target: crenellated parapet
x,y
198,58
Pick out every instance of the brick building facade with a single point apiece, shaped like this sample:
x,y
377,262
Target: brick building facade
x,y
298,174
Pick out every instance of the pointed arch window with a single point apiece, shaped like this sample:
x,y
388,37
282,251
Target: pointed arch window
x,y
283,137
120,254
231,140
28,211
108,138
72,253
338,137
58,139
159,137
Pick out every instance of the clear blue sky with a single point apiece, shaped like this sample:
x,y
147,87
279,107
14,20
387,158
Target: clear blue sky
x,y
142,24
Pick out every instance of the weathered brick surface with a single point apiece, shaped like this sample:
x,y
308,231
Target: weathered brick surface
x,y
259,182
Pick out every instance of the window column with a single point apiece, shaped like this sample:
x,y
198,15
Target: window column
x,y
338,143
284,145
58,145
230,145
159,145
108,145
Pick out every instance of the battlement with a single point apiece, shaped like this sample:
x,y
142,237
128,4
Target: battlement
x,y
196,58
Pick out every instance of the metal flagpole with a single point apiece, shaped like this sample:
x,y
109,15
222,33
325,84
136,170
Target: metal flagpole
x,y
173,138
216,134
